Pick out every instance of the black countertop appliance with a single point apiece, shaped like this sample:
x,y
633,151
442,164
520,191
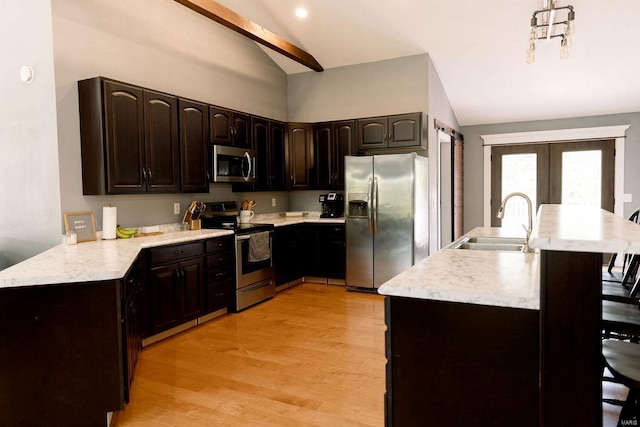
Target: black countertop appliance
x,y
332,205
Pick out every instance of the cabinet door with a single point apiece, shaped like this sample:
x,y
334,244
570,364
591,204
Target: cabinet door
x,y
260,131
165,297
332,254
344,145
289,254
405,130
161,167
194,146
324,155
372,133
124,126
300,156
221,122
277,153
241,130
192,292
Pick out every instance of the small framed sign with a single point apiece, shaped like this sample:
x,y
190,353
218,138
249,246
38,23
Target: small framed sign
x,y
83,223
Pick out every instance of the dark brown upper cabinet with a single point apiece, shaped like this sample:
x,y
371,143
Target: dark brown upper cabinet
x,y
230,127
162,173
277,156
332,141
268,141
300,155
194,146
129,138
398,131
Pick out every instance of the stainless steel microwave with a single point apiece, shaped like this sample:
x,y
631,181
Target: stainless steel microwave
x,y
231,164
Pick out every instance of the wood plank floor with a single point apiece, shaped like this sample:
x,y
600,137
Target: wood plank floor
x,y
312,356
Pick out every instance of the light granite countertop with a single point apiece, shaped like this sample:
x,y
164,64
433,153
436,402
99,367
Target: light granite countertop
x,y
496,278
91,261
111,259
511,279
278,221
583,229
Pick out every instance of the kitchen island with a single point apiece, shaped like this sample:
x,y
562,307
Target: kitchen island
x,y
495,338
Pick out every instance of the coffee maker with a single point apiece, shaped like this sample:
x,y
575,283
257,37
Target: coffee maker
x,y
332,205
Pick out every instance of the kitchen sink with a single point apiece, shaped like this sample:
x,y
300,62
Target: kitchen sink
x,y
490,244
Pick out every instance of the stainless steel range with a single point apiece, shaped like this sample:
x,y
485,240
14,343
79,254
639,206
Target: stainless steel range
x,y
255,276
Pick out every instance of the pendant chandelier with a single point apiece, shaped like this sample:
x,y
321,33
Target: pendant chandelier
x,y
551,22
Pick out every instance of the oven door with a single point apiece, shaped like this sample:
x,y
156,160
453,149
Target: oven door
x,y
248,272
232,164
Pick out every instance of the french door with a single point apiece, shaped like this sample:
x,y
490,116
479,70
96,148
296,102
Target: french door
x,y
578,173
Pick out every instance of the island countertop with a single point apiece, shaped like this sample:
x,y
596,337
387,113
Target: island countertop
x,y
496,278
583,229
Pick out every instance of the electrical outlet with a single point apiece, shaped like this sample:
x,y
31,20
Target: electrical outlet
x,y
176,208
273,201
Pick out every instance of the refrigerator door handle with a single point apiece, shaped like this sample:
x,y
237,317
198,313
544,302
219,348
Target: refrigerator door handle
x,y
375,205
369,209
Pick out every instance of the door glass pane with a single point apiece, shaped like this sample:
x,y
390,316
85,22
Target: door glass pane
x,y
582,177
518,175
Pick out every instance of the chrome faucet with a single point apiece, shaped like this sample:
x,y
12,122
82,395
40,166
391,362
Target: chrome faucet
x,y
527,229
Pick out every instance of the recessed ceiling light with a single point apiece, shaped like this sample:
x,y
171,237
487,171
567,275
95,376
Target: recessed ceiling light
x,y
301,12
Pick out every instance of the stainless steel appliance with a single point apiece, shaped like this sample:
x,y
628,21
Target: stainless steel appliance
x,y
386,218
332,205
232,164
255,279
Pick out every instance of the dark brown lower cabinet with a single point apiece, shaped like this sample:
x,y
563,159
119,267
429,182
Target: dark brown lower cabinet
x,y
220,273
176,293
61,352
453,364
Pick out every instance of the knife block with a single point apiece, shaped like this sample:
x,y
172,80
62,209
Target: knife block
x,y
194,224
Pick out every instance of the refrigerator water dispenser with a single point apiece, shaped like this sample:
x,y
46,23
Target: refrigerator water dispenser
x,y
357,205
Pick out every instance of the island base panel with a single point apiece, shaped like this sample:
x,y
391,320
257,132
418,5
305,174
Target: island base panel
x,y
458,364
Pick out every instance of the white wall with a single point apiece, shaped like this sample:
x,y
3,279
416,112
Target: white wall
x,y
473,156
399,85
365,90
29,183
439,109
162,45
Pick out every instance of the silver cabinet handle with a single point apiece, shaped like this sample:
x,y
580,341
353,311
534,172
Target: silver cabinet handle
x,y
144,174
150,176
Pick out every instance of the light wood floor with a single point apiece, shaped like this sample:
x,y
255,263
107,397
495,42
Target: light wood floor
x,y
313,355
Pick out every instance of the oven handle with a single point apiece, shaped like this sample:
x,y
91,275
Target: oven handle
x,y
248,236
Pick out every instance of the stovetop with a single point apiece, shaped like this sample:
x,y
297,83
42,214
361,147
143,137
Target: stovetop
x,y
223,216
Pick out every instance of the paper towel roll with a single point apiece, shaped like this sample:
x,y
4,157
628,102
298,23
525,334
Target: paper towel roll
x,y
109,222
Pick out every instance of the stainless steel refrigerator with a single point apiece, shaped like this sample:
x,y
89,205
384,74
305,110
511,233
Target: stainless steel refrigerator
x,y
386,216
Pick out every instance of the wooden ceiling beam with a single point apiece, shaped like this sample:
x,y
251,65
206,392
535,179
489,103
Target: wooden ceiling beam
x,y
250,29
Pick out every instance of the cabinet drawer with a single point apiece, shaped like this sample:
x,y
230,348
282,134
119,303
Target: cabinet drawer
x,y
220,259
220,274
221,244
220,295
175,252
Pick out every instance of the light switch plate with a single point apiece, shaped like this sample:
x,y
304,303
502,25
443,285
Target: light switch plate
x,y
176,208
273,201
626,198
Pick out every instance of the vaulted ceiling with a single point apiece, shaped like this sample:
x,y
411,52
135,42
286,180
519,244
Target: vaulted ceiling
x,y
478,48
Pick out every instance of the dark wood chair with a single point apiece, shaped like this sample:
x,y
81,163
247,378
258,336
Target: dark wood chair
x,y
622,359
619,283
621,315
